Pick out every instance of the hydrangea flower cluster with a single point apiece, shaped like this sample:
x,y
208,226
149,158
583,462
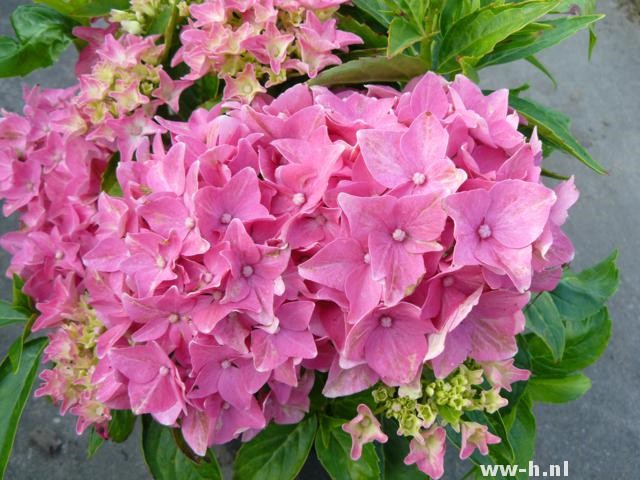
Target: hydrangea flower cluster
x,y
255,44
378,236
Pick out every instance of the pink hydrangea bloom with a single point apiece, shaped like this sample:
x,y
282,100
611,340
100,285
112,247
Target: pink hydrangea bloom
x,y
366,234
270,42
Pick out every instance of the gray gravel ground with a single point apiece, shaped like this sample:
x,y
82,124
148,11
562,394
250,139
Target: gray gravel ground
x,y
600,433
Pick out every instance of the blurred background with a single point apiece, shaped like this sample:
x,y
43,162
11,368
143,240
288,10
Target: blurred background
x,y
599,434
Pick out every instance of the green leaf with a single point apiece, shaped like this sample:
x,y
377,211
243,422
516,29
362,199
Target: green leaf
x,y
477,34
160,22
553,126
586,341
370,37
346,407
86,8
121,425
580,295
15,390
558,390
278,452
540,66
376,9
15,350
167,462
455,10
522,432
42,35
95,442
400,68
21,302
402,35
10,316
519,46
110,183
393,453
545,321
333,447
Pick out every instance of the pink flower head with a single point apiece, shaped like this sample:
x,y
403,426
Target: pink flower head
x,y
475,435
496,228
428,454
364,428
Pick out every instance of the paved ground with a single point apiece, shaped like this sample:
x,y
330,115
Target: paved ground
x,y
600,433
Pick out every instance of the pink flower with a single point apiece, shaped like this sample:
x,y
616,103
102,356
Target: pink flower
x,y
154,384
413,161
255,271
392,342
428,454
152,260
222,370
496,228
502,374
345,265
364,428
169,90
292,338
487,334
398,232
240,198
475,435
270,47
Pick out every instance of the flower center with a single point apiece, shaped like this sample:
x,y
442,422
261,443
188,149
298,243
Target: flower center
x,y
298,199
321,219
419,178
447,281
189,223
247,271
163,371
160,262
367,258
399,235
59,255
207,277
225,218
386,321
484,231
174,317
225,364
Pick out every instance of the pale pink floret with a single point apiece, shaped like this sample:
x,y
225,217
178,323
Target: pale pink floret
x,y
496,228
364,428
476,436
428,454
